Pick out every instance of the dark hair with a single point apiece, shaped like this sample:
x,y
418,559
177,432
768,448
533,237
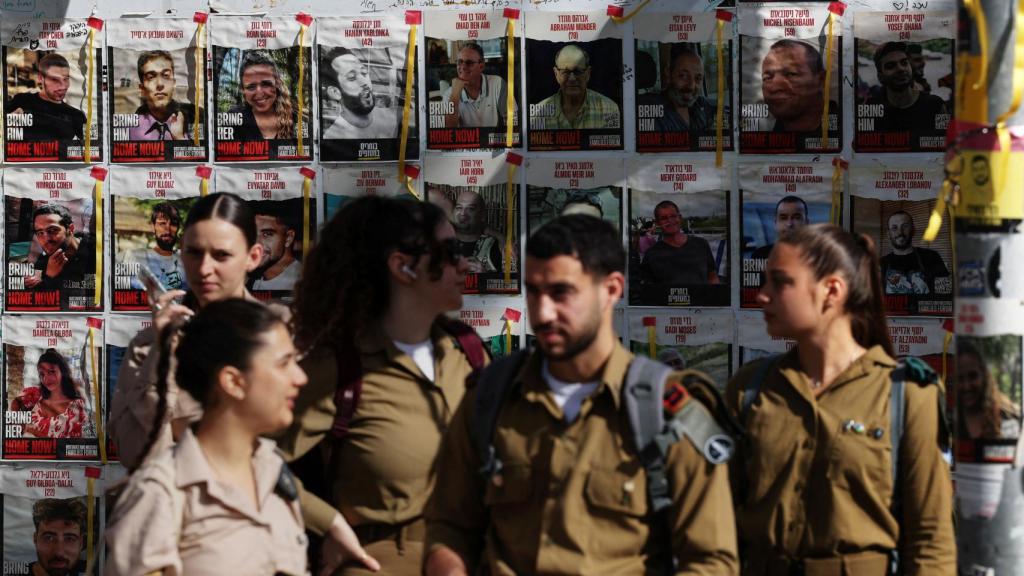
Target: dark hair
x,y
666,204
791,200
828,249
228,207
50,60
170,211
593,241
914,49
222,333
344,285
149,56
993,403
474,47
282,211
68,509
811,54
886,49
45,209
67,382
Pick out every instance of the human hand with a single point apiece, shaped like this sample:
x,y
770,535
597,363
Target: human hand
x,y
55,264
177,125
167,310
342,545
33,280
458,85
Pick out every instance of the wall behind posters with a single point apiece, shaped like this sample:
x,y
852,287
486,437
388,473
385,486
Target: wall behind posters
x,y
557,177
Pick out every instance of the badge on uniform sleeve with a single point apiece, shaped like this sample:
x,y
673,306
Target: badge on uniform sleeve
x,y
719,448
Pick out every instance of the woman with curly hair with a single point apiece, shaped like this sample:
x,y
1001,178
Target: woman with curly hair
x,y
58,409
369,308
985,412
267,113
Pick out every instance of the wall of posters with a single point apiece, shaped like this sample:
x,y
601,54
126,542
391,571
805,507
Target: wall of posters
x,y
344,182
694,339
498,327
558,186
755,341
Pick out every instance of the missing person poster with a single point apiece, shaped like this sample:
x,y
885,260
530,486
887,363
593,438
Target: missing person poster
x,y
678,233
691,339
922,338
45,519
782,80
484,210
52,376
754,340
260,111
147,216
362,72
891,203
988,396
498,326
285,224
560,186
120,329
904,80
344,182
574,88
50,247
157,96
677,72
468,82
775,197
47,99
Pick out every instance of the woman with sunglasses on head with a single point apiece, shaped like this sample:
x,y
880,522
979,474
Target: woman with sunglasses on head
x,y
369,312
814,482
221,501
267,112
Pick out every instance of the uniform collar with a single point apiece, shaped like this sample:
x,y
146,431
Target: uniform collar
x,y
611,380
376,341
873,358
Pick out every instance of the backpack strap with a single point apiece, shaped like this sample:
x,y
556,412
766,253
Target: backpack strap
x,y
753,390
493,386
350,387
467,340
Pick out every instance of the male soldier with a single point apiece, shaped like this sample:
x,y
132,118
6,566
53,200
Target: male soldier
x,y
571,494
793,84
58,537
161,117
475,99
279,269
910,270
163,259
685,107
359,116
52,119
790,213
677,258
482,250
906,107
574,106
66,257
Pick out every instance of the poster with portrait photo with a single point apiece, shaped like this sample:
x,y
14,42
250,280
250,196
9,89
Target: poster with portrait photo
x,y
574,89
904,80
45,519
691,339
677,72
678,233
498,326
988,397
148,208
285,224
922,338
46,92
467,80
782,79
891,203
157,110
560,186
474,192
50,244
362,73
754,340
344,182
120,329
52,387
775,197
256,92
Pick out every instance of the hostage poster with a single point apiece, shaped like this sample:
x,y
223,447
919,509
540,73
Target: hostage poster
x,y
468,83
53,374
261,112
147,216
892,203
48,103
121,328
574,90
561,186
50,247
678,233
685,339
775,197
344,182
157,95
285,224
904,80
484,210
754,340
362,71
499,327
677,72
782,80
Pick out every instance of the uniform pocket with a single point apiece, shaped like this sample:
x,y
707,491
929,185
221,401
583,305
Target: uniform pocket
x,y
862,463
617,491
511,486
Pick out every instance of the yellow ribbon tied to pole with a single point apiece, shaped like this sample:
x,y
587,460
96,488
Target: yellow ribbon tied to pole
x,y
98,173
721,18
835,212
835,11
514,161
204,173
512,15
95,324
511,317
651,323
200,19
304,20
618,13
413,18
95,25
308,175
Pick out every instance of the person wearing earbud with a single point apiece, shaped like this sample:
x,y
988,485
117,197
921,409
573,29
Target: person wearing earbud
x,y
369,312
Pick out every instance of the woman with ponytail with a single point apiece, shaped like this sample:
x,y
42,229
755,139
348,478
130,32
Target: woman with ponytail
x,y
221,501
813,478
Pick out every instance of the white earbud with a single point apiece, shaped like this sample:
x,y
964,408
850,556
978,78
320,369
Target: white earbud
x,y
409,271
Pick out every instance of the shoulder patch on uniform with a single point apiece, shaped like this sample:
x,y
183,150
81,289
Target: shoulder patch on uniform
x,y
705,433
719,448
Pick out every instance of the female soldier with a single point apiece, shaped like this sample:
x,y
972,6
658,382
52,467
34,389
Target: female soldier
x,y
985,412
814,482
369,309
221,501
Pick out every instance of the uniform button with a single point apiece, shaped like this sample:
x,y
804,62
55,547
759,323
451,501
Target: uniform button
x,y
877,433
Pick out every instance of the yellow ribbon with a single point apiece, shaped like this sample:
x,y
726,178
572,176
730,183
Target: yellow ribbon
x,y
935,218
652,341
508,336
410,66
90,507
720,111
626,18
302,85
204,186
828,82
510,221
87,150
98,201
200,78
973,8
93,363
836,210
510,101
946,341
307,185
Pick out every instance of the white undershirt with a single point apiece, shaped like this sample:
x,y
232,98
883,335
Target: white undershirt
x,y
422,353
568,395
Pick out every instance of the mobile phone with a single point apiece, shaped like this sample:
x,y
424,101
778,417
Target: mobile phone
x,y
150,282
